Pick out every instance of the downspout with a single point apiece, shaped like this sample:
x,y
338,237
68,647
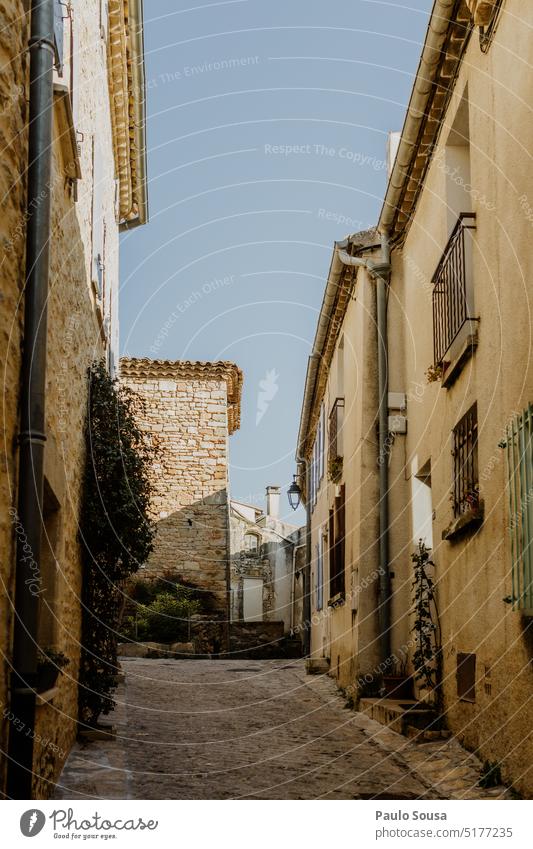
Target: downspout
x,y
33,385
306,597
380,271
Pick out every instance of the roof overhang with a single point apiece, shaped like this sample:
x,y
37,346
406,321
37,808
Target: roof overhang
x,y
127,92
339,286
449,30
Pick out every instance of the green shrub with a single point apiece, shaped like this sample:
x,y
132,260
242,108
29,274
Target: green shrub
x,y
116,533
167,617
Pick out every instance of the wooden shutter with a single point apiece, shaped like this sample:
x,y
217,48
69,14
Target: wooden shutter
x,y
97,265
320,571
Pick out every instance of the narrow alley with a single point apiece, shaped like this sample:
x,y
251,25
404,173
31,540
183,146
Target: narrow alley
x,y
246,729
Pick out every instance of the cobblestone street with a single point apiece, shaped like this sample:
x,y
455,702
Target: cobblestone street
x,y
256,730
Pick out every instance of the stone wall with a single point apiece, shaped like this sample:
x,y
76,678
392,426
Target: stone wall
x,y
187,410
79,330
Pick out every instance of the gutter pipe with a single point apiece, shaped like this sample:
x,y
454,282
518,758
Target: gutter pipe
x,y
431,56
380,272
33,386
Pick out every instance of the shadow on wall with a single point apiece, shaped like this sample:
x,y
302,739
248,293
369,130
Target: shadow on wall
x,y
192,543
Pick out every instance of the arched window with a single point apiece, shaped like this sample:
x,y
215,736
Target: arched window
x,y
251,543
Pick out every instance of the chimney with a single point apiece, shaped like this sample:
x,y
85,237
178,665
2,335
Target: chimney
x,y
273,501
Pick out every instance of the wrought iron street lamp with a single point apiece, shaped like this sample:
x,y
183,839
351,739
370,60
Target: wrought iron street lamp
x,y
294,494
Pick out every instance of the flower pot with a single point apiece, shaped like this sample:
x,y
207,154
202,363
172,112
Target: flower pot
x,y
398,686
46,677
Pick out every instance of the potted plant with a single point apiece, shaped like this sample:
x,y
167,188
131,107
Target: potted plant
x,y
49,665
397,684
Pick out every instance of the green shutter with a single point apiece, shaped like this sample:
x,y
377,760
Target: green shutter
x,y
519,447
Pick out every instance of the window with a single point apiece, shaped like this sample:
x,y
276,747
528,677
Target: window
x,y
453,293
421,503
317,458
336,417
320,570
251,543
336,543
465,494
466,677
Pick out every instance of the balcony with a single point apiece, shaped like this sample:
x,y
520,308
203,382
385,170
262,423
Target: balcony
x,y
453,306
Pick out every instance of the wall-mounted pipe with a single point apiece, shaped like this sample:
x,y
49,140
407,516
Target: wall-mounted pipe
x,y
380,271
416,111
32,410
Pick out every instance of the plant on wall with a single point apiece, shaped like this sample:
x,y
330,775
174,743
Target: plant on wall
x,y
116,532
427,658
335,469
433,373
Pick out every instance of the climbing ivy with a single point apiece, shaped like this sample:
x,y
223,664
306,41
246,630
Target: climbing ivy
x,y
427,658
115,530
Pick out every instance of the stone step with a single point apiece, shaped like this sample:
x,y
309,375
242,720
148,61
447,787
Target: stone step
x,y
399,714
317,665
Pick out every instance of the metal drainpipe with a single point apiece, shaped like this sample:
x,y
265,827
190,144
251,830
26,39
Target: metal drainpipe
x,y
380,271
307,573
33,386
382,277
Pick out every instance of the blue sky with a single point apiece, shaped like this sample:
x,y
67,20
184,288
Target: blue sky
x,y
267,128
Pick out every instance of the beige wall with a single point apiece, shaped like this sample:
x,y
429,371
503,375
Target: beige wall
x,y
75,337
347,633
473,573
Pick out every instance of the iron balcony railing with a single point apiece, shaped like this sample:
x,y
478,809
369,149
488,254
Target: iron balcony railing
x,y
519,446
452,287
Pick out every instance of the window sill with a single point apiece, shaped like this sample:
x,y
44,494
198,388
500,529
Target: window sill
x,y
468,522
337,600
67,132
465,349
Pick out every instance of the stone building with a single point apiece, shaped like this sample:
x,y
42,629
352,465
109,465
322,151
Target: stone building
x,y
416,421
264,564
190,409
97,187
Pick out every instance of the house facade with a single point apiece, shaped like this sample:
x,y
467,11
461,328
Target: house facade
x,y
97,186
189,410
265,554
456,450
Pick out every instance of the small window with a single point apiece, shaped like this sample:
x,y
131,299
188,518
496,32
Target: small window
x,y
336,543
466,677
465,493
251,542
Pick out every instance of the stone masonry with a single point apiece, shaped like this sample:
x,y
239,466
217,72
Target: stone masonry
x,y
187,409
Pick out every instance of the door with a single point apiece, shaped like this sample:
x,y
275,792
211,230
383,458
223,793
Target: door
x,y
253,600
